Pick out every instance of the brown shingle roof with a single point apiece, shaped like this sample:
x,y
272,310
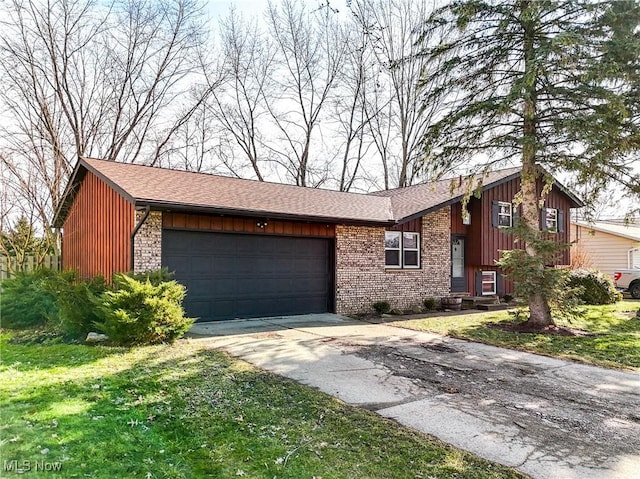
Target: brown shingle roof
x,y
419,199
181,190
164,187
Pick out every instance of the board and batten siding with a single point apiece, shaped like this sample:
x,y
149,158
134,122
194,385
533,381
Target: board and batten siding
x,y
96,237
247,225
483,241
604,251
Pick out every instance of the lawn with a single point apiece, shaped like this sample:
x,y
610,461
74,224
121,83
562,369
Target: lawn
x,y
615,339
183,411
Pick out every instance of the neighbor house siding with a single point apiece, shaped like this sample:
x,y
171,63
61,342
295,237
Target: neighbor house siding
x,y
96,232
597,249
361,276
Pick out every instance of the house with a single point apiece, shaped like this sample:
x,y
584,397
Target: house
x,y
607,245
246,248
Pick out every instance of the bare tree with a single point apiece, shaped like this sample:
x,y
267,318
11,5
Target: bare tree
x,y
87,79
399,118
239,103
308,59
352,112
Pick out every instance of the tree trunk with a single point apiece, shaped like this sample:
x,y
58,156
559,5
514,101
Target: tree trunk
x,y
539,310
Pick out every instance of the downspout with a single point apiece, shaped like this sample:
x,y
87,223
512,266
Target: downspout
x,y
147,210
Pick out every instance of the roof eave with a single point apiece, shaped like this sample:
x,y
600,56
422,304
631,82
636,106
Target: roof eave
x,y
455,199
76,178
575,201
61,212
225,211
607,231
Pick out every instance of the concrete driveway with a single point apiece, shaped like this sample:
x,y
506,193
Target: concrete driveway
x,y
548,418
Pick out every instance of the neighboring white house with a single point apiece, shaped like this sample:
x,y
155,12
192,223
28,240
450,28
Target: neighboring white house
x,y
607,245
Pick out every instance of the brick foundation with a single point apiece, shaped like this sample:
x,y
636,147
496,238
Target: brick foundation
x,y
361,277
147,246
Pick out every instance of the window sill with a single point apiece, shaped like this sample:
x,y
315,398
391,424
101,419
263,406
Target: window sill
x,y
397,269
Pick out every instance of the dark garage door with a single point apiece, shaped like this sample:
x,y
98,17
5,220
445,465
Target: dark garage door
x,y
247,276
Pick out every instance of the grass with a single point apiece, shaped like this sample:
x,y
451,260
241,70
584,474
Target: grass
x,y
615,341
183,411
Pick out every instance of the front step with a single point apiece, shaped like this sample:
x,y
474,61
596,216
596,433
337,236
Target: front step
x,y
474,302
492,307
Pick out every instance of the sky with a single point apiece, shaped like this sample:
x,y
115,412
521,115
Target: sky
x,y
218,8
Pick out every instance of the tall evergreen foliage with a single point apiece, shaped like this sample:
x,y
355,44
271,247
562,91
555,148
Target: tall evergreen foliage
x,y
545,83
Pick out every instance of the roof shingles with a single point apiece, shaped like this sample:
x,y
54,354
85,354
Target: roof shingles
x,y
187,189
175,189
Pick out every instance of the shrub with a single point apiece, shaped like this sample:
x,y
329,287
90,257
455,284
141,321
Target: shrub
x,y
381,307
430,304
155,277
27,300
76,300
593,287
140,312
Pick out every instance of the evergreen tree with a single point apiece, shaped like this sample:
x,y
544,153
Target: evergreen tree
x,y
552,84
21,240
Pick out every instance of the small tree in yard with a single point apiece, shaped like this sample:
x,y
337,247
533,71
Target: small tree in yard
x,y
551,84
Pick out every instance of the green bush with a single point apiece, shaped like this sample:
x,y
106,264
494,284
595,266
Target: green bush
x,y
140,312
155,277
26,300
430,304
76,300
381,307
593,287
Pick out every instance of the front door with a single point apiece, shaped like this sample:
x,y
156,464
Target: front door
x,y
458,277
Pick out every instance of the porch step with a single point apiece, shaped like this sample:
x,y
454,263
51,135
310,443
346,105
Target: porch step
x,y
473,302
492,307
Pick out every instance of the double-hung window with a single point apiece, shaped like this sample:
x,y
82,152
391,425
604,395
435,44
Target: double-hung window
x,y
550,220
489,283
402,249
505,214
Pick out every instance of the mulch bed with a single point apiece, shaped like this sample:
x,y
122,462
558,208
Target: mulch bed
x,y
550,330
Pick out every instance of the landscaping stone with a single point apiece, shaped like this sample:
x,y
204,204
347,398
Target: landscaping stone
x,y
96,338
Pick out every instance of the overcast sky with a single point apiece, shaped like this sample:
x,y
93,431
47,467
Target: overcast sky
x,y
219,8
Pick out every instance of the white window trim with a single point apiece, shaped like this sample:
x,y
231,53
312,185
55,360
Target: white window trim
x,y
398,249
495,283
510,215
555,221
416,250
401,264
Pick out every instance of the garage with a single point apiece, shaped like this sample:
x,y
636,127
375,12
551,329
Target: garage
x,y
232,276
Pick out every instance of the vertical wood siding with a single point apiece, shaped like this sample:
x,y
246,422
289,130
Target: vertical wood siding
x,y
412,226
96,234
484,242
198,222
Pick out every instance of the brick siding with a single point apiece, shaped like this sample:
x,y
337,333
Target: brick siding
x,y
147,246
361,277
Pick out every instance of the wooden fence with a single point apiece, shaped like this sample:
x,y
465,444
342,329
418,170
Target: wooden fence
x,y
9,265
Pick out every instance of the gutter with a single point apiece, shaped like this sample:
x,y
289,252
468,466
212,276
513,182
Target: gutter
x,y
147,210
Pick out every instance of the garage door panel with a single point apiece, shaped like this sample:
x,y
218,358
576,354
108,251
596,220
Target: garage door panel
x,y
200,264
223,265
236,275
199,309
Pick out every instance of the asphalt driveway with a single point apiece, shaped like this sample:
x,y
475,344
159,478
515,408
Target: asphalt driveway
x,y
546,417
